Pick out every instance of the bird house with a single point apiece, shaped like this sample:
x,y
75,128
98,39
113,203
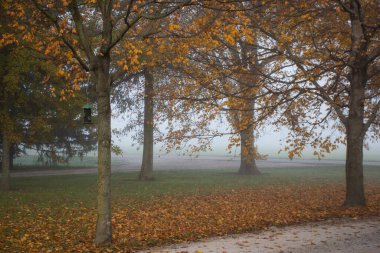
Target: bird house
x,y
87,114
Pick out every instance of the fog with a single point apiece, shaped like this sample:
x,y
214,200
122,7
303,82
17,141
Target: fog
x,y
269,142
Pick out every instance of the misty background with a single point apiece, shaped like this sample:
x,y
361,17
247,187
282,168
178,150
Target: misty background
x,y
269,142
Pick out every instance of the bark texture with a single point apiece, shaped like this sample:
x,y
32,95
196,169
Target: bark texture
x,y
355,122
247,115
354,167
247,155
5,165
247,144
104,225
146,172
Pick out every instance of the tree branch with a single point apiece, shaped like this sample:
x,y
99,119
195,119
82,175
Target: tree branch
x,y
372,117
346,8
83,37
65,40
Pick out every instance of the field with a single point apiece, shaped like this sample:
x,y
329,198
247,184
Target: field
x,y
30,162
57,214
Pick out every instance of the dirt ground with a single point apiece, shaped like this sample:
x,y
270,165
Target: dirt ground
x,y
340,235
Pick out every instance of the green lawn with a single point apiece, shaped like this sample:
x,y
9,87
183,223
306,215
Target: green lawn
x,y
74,189
30,162
57,213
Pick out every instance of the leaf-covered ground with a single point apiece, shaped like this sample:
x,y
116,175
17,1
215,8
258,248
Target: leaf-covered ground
x,y
26,226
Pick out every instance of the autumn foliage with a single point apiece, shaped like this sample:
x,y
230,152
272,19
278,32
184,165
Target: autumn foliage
x,y
170,219
305,65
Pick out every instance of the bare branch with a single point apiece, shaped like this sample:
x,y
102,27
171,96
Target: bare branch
x,y
372,117
166,13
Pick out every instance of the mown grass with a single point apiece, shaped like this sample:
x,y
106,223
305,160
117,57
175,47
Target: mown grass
x,y
73,189
32,161
57,213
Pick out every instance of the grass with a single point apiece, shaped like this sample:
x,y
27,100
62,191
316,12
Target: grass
x,y
30,163
74,189
57,213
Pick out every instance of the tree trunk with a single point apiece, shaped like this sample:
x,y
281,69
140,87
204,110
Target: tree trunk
x,y
11,156
146,172
104,225
355,137
355,122
247,115
247,155
247,143
5,165
354,166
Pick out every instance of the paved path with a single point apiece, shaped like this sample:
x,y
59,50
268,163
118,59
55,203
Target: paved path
x,y
172,162
338,236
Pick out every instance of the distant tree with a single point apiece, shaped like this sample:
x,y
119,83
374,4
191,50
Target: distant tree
x,y
146,172
162,51
226,79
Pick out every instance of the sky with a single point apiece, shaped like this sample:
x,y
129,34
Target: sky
x,y
269,143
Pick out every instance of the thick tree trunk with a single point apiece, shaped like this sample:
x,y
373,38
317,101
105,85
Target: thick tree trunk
x,y
355,137
247,155
103,225
247,143
355,122
146,172
247,115
5,166
354,166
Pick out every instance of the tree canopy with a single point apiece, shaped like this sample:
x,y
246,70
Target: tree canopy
x,y
305,65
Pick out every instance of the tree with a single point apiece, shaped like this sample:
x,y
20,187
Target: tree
x,y
146,172
334,49
229,75
162,49
94,41
35,115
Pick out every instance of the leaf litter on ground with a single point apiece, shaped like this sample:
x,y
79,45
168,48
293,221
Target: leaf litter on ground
x,y
173,219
